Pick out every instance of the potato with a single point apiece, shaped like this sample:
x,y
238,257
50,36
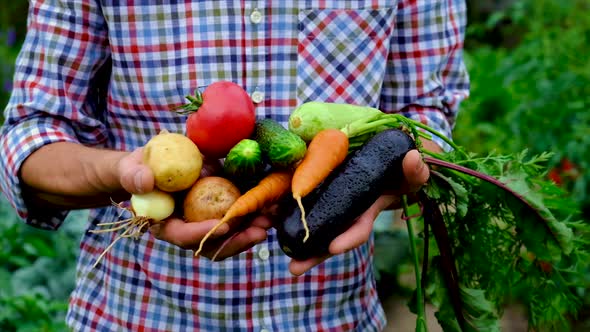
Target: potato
x,y
209,198
174,159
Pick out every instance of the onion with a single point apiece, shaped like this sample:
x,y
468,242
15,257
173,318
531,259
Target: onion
x,y
155,205
146,208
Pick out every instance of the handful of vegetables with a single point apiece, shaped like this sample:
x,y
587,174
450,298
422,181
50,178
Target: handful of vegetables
x,y
497,225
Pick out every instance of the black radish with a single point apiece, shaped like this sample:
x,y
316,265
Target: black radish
x,y
348,192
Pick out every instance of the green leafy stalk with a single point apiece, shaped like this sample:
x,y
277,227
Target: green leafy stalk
x,y
481,314
365,127
433,218
374,123
492,207
421,325
555,228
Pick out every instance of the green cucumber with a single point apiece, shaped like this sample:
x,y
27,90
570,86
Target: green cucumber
x,y
244,164
280,147
244,159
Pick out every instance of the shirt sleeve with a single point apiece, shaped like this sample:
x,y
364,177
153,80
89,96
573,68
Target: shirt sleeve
x,y
53,99
426,77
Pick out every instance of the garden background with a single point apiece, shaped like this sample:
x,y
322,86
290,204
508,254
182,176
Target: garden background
x,y
530,71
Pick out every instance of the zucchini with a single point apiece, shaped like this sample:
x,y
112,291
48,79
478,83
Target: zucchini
x,y
312,117
348,192
280,147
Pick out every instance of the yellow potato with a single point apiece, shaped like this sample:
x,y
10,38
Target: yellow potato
x,y
174,159
209,198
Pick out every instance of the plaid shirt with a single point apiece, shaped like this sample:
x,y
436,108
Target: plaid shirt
x,y
401,56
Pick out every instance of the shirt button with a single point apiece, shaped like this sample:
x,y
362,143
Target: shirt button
x,y
255,16
257,97
263,253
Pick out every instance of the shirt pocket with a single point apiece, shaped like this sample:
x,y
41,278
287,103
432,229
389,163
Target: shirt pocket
x,y
342,54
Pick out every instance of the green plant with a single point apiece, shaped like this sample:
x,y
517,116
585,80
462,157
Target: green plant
x,y
37,272
8,53
12,33
536,94
391,255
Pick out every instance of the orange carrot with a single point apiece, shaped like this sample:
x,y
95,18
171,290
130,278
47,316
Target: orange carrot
x,y
269,190
326,151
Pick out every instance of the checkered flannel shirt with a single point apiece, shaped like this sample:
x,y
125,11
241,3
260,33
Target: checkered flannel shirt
x,y
400,56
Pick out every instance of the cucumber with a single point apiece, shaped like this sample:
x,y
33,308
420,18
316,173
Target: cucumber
x,y
244,164
244,159
348,192
280,147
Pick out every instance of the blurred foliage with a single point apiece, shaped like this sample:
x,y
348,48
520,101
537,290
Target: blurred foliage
x,y
12,33
7,57
14,16
392,255
534,95
37,270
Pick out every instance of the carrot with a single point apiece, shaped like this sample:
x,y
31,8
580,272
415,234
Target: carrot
x,y
326,151
269,190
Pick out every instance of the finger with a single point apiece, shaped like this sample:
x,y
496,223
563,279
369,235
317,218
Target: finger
x,y
263,222
361,229
250,233
272,210
134,176
416,172
236,244
298,268
186,235
356,235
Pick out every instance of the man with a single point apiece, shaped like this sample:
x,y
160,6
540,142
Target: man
x,y
73,139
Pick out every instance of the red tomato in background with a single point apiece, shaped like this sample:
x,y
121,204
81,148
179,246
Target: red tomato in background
x,y
224,117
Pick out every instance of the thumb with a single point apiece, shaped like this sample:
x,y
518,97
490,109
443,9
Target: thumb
x,y
135,177
416,172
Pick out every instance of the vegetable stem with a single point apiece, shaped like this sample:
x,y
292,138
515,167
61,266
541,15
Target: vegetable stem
x,y
372,123
433,154
421,317
432,131
362,125
195,101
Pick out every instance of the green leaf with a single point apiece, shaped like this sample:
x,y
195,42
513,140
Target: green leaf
x,y
461,196
516,233
517,182
480,313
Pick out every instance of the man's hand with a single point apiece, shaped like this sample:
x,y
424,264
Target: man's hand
x,y
229,239
135,177
416,174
